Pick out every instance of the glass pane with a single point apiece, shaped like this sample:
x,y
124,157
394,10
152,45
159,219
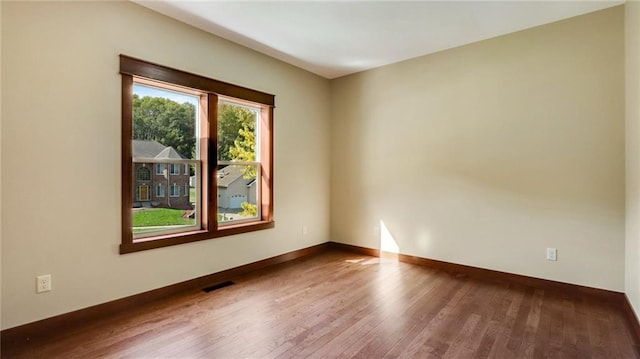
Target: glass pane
x,y
165,126
161,207
237,193
237,127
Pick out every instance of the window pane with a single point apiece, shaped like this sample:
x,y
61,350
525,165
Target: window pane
x,y
162,208
165,126
237,129
237,193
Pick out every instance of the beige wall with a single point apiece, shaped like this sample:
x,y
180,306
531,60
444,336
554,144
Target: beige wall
x,y
488,154
632,75
61,148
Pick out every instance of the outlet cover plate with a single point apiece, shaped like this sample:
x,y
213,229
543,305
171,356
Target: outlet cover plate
x,y
43,283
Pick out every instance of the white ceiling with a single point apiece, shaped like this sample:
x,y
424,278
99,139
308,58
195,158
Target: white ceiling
x,y
337,38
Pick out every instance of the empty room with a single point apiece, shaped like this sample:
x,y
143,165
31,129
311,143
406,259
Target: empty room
x,y
320,179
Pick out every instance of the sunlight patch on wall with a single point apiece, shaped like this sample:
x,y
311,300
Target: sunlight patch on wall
x,y
389,248
387,242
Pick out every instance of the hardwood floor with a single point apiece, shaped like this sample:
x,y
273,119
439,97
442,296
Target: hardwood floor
x,y
340,304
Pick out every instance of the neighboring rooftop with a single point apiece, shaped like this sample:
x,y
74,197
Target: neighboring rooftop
x,y
154,149
229,174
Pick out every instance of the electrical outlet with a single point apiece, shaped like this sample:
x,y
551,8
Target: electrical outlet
x,y
43,283
305,230
552,254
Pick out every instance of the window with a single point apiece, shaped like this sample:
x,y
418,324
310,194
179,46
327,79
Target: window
x,y
144,174
175,190
238,161
226,189
160,190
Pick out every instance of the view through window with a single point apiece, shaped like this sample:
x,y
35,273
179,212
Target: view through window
x,y
165,127
238,162
165,136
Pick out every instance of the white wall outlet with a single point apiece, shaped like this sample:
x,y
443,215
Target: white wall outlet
x,y
552,254
43,283
305,230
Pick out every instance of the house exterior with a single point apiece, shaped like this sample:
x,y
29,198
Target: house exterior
x,y
163,184
234,189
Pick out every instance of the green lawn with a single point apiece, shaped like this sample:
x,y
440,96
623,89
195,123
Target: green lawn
x,y
160,217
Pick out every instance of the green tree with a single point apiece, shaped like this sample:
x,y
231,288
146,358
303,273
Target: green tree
x,y
165,121
244,149
249,209
244,146
236,136
232,120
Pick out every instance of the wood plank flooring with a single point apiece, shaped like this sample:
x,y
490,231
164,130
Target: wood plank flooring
x,y
339,304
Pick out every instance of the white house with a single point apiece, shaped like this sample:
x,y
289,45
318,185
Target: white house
x,y
234,188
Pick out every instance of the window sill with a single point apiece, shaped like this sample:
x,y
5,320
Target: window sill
x,y
143,244
230,230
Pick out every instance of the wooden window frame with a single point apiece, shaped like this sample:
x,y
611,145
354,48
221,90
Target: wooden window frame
x,y
208,90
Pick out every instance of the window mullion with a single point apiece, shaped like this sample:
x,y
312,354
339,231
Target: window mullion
x,y
210,155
